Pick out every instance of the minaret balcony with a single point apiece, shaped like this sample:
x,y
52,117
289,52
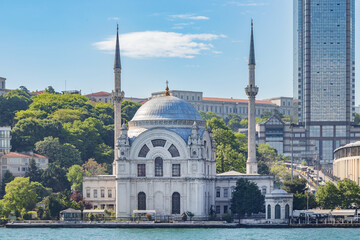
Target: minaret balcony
x,y
251,91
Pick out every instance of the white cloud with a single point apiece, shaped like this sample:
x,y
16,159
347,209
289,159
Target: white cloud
x,y
160,44
189,16
248,4
113,18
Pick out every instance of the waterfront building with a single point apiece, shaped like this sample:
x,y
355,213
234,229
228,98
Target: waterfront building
x,y
18,163
324,73
165,162
106,97
3,89
225,106
347,162
5,139
279,206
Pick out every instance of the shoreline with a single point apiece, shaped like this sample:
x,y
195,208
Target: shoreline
x,y
173,225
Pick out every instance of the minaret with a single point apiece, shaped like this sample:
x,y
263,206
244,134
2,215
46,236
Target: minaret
x,y
251,90
118,95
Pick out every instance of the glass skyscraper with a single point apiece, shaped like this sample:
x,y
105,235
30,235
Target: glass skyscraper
x,y
324,71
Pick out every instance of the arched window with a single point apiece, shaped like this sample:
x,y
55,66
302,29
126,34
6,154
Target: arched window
x,y
141,201
175,208
269,211
144,151
158,167
287,211
277,211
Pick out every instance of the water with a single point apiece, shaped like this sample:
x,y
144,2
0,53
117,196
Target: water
x,y
170,234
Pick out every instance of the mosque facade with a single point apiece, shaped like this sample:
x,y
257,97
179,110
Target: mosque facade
x,y
165,162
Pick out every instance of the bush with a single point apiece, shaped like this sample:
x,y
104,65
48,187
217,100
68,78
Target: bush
x,y
184,217
228,217
148,217
27,216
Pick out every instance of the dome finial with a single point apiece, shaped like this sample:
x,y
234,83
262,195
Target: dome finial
x,y
167,93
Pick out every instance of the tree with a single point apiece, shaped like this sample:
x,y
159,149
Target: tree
x,y
75,176
217,123
357,119
50,89
304,201
33,172
20,194
55,177
247,198
10,103
349,193
64,155
128,110
228,159
8,177
266,114
29,131
297,185
92,168
208,115
266,156
328,196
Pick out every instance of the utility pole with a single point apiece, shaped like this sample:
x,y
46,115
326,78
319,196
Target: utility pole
x,y
292,151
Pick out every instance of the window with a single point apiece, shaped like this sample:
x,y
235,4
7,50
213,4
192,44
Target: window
x,y
88,192
225,209
176,170
218,192
269,211
287,211
158,167
158,142
277,211
175,203
109,193
226,192
144,151
217,210
102,206
102,193
173,151
95,193
141,201
141,170
263,190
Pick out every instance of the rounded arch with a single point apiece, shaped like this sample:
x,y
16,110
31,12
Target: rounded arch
x,y
287,211
269,211
141,201
175,203
277,211
169,136
159,167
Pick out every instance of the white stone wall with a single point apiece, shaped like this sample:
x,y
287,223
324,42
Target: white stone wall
x,y
347,167
265,184
98,183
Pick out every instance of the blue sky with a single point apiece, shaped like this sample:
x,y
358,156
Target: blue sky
x,y
199,45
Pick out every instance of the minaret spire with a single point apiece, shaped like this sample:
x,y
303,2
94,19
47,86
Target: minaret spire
x,y
117,62
118,96
252,48
251,90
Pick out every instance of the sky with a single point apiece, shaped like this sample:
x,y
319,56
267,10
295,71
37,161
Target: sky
x,y
196,45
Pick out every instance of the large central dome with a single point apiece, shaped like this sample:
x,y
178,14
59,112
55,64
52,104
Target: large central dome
x,y
167,108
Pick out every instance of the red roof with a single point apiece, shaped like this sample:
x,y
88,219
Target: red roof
x,y
99,94
37,92
234,100
23,155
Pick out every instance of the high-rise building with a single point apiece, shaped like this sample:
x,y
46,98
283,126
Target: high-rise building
x,y
324,71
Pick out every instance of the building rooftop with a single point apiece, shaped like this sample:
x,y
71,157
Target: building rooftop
x,y
235,100
23,155
230,173
99,94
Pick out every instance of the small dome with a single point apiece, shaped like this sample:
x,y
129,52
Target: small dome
x,y
167,108
279,191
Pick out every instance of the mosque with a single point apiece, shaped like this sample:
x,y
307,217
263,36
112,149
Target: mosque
x,y
165,162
